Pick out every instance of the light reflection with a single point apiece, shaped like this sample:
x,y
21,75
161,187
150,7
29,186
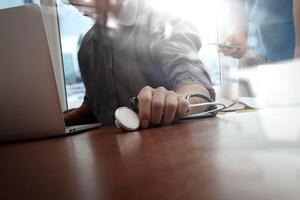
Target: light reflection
x,y
281,124
87,170
202,13
210,18
129,144
268,173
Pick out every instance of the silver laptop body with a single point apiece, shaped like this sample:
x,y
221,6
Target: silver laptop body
x,y
29,101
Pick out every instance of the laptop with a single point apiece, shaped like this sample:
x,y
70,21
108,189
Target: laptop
x,y
29,101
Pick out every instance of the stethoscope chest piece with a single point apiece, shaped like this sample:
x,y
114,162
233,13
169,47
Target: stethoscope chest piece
x,y
127,119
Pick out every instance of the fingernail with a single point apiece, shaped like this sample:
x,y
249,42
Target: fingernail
x,y
144,123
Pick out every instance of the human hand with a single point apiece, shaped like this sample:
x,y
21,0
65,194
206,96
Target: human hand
x,y
159,105
80,115
239,40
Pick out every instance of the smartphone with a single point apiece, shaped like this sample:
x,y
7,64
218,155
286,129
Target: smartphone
x,y
222,45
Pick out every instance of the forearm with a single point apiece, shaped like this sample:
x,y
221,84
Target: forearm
x,y
238,20
238,33
296,14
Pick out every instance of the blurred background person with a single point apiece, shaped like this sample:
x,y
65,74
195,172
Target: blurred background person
x,y
264,30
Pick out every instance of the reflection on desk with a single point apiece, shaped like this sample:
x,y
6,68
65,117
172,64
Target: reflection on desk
x,y
253,155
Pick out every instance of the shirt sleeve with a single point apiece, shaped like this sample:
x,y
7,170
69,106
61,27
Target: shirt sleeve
x,y
175,49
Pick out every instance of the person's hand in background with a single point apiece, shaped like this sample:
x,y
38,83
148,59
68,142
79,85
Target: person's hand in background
x,y
239,40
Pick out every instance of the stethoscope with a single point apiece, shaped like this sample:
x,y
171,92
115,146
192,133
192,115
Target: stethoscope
x,y
128,120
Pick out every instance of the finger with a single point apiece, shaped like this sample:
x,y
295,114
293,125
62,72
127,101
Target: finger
x,y
145,98
223,49
238,54
183,106
157,105
230,52
171,104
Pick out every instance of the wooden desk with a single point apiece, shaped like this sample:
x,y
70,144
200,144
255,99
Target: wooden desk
x,y
243,156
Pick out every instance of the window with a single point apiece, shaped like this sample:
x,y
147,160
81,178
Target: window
x,y
73,26
14,3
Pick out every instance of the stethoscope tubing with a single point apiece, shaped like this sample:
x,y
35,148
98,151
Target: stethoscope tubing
x,y
214,108
213,112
